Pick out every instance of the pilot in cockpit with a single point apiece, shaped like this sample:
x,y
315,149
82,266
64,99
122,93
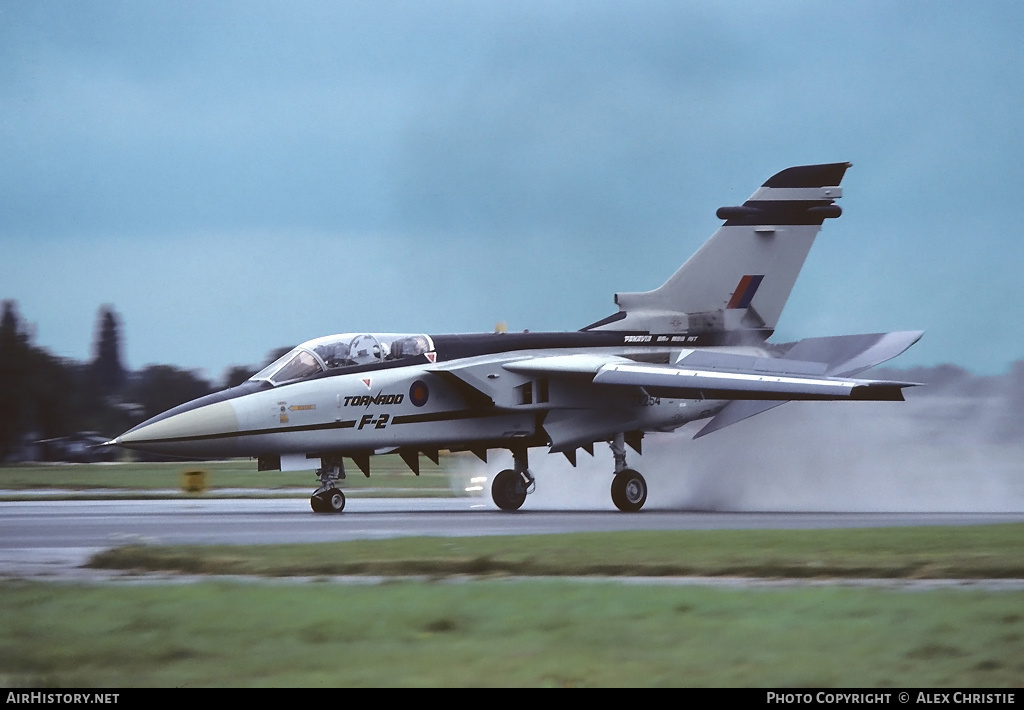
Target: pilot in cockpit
x,y
334,355
408,347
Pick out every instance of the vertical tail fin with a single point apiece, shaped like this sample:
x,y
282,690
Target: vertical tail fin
x,y
740,279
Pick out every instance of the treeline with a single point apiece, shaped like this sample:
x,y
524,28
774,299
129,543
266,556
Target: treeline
x,y
43,397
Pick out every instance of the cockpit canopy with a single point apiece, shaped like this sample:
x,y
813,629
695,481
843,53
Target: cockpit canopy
x,y
343,351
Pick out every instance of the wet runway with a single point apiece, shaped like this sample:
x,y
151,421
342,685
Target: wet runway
x,y
49,537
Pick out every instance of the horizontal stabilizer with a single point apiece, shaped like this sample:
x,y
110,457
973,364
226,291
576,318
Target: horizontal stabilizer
x,y
849,354
716,360
845,355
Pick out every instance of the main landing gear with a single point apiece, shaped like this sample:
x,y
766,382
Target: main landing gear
x,y
510,487
328,498
629,489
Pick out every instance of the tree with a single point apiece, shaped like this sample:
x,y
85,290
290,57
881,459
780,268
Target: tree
x,y
108,372
15,357
237,374
34,387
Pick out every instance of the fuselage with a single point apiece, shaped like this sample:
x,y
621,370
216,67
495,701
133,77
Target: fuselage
x,y
456,395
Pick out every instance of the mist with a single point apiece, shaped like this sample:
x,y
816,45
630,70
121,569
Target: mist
x,y
955,445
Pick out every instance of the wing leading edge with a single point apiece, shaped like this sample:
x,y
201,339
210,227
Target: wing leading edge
x,y
692,383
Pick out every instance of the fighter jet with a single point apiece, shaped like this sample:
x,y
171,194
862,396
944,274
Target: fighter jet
x,y
694,348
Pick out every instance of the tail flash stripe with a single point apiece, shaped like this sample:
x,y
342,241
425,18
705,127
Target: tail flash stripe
x,y
745,291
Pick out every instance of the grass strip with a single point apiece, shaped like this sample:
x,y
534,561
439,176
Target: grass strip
x,y
507,633
972,552
387,472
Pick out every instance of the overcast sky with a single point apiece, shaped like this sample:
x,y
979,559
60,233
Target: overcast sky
x,y
238,176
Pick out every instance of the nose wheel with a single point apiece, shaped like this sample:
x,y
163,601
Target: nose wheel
x,y
329,501
327,498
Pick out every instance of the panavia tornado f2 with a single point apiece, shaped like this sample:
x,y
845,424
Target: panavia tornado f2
x,y
694,348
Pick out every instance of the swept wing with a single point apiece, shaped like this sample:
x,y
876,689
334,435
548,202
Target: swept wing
x,y
720,376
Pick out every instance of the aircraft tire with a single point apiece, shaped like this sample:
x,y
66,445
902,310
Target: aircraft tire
x,y
330,501
508,490
629,491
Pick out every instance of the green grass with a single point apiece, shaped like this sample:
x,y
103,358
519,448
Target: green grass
x,y
506,633
970,552
387,473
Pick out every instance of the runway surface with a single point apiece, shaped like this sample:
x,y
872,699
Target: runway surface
x,y
53,538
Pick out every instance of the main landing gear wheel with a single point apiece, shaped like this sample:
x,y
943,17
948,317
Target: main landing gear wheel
x,y
508,490
629,491
330,501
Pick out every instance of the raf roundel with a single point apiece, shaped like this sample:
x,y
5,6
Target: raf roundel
x,y
418,393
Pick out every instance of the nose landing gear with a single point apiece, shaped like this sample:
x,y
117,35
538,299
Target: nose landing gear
x,y
328,498
330,501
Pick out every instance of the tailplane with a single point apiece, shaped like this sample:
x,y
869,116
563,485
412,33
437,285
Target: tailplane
x,y
839,356
741,278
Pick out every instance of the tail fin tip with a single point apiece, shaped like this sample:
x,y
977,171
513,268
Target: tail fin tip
x,y
824,175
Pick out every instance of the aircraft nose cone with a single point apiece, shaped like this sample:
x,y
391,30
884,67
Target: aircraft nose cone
x,y
203,431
